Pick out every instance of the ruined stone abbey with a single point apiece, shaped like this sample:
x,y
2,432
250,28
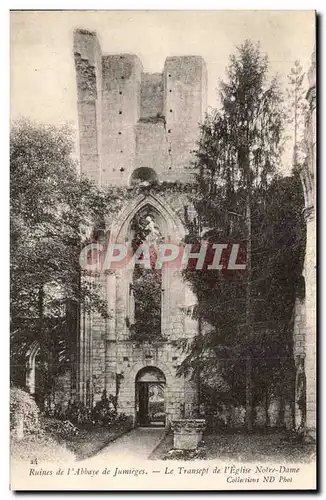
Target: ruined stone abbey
x,y
138,127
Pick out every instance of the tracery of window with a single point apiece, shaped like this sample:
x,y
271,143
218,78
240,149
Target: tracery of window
x,y
146,283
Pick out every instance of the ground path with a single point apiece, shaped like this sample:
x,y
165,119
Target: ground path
x,y
137,444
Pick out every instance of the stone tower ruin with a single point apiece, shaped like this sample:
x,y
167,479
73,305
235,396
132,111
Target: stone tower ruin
x,y
138,127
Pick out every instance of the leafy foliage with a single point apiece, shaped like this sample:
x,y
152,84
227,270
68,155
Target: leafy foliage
x,y
237,162
296,113
23,407
147,283
104,413
53,211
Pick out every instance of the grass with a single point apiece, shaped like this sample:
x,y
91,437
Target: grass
x,y
40,448
259,446
90,441
53,447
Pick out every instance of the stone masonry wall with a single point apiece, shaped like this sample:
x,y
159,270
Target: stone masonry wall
x,y
109,354
121,111
87,54
185,105
305,322
130,119
309,180
151,95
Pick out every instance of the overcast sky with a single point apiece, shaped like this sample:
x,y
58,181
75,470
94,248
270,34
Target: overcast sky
x,y
43,83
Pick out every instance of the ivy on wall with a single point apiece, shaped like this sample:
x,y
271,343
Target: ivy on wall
x,y
147,283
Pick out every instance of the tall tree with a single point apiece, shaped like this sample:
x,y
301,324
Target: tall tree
x,y
297,106
49,205
237,159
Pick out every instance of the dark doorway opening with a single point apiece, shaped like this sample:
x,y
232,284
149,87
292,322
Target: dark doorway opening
x,y
150,400
143,174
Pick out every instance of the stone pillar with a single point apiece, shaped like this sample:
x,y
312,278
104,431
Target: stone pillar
x,y
31,368
185,87
309,183
88,65
174,299
85,357
299,348
311,360
81,357
97,347
30,377
110,345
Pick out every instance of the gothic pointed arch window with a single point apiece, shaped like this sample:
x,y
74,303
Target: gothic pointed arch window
x,y
146,286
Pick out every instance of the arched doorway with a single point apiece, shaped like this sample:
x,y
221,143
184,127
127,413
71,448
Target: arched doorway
x,y
150,402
